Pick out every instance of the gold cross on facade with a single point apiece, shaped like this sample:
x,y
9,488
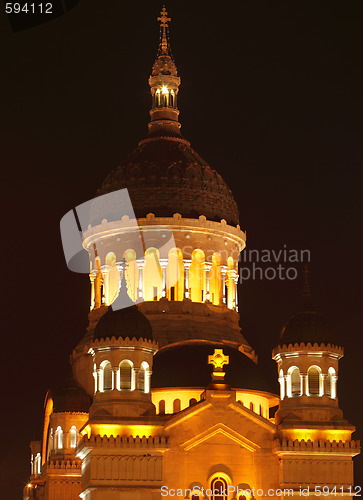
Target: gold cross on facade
x,y
164,19
218,359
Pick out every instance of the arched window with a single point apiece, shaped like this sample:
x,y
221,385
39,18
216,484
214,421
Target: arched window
x,y
73,437
143,378
231,284
295,381
261,410
252,406
314,381
192,401
38,464
59,438
176,405
219,488
162,407
215,280
330,383
106,376
126,375
132,274
175,275
197,277
152,275
112,279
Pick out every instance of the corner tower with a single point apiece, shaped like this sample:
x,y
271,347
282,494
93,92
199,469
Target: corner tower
x,y
313,439
187,290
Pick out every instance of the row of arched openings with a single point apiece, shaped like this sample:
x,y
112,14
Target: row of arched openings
x,y
176,405
173,278
57,440
315,382
124,378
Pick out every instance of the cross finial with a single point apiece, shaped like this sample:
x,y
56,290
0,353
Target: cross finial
x,y
218,360
164,19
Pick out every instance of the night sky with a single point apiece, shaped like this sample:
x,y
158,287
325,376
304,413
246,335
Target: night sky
x,y
271,97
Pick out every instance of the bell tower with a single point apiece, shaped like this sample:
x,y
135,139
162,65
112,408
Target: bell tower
x,y
313,438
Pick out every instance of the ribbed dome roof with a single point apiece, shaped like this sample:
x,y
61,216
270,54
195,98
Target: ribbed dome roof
x,y
307,326
126,322
71,399
187,366
166,176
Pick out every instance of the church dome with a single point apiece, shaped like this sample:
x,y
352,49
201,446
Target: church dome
x,y
126,322
307,326
166,177
186,365
71,399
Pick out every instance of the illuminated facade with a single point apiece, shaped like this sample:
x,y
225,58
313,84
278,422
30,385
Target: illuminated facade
x,y
167,395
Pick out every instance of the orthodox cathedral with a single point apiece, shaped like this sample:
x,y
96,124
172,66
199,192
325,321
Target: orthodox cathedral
x,y
166,398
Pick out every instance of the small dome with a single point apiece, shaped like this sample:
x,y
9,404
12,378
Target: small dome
x,y
187,366
71,399
164,65
307,326
166,176
126,322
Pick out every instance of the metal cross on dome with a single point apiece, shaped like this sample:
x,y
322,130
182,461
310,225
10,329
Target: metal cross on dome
x,y
164,19
218,359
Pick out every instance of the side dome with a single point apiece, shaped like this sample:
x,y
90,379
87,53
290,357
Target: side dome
x,y
165,176
186,365
126,322
307,326
71,399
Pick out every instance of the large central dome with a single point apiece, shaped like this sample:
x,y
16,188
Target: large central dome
x,y
164,175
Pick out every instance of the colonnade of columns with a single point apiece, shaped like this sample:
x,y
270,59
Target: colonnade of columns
x,y
327,385
151,280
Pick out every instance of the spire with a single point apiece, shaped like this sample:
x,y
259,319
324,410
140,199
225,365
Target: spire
x,y
164,86
164,46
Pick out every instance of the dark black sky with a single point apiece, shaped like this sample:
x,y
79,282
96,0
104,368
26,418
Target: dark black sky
x,y
271,96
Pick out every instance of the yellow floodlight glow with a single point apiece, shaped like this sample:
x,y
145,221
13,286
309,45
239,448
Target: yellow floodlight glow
x,y
164,90
120,430
316,434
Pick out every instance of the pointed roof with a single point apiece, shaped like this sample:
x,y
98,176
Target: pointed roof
x,y
307,325
164,63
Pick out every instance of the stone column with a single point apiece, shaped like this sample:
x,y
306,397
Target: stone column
x,y
114,377
223,275
99,375
322,386
235,290
163,264
95,376
305,382
136,378
207,268
92,280
140,265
